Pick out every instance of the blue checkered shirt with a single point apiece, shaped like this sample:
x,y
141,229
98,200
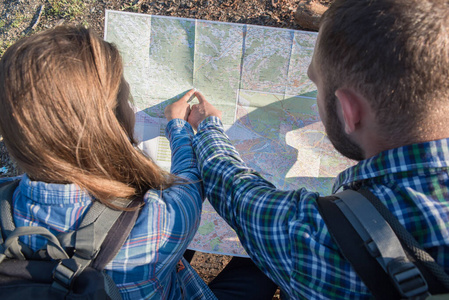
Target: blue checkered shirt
x,y
146,266
285,235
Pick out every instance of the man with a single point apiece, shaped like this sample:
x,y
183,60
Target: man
x,y
381,68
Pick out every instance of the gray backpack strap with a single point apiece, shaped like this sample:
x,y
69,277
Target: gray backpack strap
x,y
118,234
92,231
95,226
383,244
6,216
13,248
376,244
6,219
367,241
413,248
100,236
371,226
10,244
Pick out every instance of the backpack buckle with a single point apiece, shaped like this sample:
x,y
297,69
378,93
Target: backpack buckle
x,y
407,278
64,274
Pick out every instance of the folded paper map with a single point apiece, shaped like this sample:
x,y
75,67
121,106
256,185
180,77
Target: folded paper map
x,y
256,75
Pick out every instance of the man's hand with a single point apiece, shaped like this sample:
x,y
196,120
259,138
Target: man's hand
x,y
179,109
201,111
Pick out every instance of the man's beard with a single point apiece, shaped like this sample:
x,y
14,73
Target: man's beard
x,y
336,134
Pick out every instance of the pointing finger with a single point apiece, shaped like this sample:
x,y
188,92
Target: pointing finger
x,y
200,97
187,96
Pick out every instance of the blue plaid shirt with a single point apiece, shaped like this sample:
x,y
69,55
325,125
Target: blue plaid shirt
x,y
146,266
285,235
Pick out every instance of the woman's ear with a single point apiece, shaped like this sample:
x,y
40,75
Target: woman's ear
x,y
351,108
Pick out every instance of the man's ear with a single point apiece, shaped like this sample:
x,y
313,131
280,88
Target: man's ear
x,y
351,107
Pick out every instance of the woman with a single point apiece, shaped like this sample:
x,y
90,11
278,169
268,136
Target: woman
x,y
66,120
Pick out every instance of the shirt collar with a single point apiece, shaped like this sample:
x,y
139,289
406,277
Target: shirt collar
x,y
410,158
52,193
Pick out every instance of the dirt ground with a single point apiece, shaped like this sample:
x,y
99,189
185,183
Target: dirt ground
x,y
19,18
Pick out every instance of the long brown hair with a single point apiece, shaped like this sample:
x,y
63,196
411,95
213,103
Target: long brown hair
x,y
63,115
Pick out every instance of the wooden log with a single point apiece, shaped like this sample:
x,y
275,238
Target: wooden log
x,y
308,14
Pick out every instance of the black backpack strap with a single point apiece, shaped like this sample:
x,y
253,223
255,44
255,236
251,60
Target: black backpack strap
x,y
369,244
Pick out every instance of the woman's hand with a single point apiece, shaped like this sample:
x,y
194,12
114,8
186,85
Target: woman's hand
x,y
179,109
201,111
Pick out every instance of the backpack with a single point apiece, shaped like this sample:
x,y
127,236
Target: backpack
x,y
71,265
386,257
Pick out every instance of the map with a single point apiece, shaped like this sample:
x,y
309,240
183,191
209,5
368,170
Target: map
x,y
257,77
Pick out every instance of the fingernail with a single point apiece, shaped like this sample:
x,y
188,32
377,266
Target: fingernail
x,y
191,97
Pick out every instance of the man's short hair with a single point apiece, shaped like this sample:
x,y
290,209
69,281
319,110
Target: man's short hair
x,y
396,54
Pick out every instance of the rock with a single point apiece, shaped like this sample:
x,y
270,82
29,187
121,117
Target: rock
x,y
308,14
